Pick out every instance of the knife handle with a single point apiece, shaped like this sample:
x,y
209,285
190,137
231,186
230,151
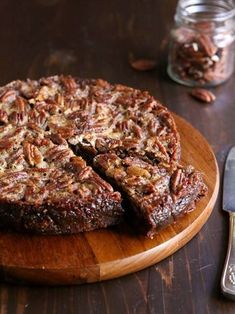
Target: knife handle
x,y
228,277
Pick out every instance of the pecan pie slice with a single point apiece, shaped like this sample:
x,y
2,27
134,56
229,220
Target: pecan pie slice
x,y
157,194
54,200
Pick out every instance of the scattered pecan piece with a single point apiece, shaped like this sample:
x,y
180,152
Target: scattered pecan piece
x,y
203,95
143,64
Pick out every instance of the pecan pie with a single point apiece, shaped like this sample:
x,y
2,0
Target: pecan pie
x,y
157,194
49,127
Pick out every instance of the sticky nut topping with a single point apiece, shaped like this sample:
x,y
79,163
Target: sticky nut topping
x,y
43,121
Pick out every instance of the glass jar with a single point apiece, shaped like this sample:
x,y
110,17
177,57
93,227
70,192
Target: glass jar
x,y
202,42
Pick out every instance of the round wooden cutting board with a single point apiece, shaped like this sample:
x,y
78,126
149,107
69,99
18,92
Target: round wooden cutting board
x,y
104,254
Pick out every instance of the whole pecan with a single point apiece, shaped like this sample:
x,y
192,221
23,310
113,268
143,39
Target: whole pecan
x,y
143,64
32,154
38,141
123,125
59,100
13,177
102,83
38,117
18,118
12,191
69,83
176,180
130,143
34,127
58,155
20,104
59,180
66,131
203,95
75,165
207,45
56,138
15,155
137,130
34,193
99,183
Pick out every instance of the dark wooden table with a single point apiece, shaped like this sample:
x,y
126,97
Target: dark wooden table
x,y
95,39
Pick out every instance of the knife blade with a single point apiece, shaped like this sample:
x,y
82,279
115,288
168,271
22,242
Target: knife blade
x,y
228,276
229,182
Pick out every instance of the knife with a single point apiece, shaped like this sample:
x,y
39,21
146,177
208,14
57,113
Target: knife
x,y
228,276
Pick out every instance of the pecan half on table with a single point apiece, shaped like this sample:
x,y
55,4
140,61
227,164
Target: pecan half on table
x,y
203,95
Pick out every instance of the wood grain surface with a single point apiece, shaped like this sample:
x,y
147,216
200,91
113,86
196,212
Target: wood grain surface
x,y
95,39
114,252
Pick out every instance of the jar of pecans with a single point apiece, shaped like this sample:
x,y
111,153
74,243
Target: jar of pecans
x,y
202,42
